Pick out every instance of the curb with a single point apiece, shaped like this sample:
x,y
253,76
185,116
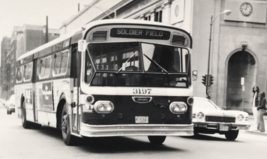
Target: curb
x,y
256,132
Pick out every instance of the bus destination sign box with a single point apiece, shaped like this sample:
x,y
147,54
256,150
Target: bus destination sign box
x,y
140,33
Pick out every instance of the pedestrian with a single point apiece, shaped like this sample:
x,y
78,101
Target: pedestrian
x,y
261,110
255,91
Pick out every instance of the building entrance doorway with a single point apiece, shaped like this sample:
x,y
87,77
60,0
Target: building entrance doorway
x,y
241,68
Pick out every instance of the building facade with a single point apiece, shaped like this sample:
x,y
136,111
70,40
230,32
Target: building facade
x,y
238,50
5,49
23,39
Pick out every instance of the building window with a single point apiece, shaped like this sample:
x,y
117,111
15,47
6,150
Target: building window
x,y
147,18
158,16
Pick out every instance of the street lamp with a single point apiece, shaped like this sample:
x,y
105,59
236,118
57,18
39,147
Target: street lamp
x,y
227,12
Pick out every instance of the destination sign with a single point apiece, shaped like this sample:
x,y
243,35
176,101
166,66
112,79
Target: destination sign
x,y
140,33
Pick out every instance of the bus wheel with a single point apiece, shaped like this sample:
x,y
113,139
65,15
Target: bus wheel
x,y
231,135
25,124
65,128
156,140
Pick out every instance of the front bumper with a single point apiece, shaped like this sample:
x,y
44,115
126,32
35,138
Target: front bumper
x,y
136,130
214,126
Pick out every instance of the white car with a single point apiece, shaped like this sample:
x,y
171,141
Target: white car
x,y
10,104
209,118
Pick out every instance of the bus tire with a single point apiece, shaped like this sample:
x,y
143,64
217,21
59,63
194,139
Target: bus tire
x,y
231,135
68,139
156,140
25,124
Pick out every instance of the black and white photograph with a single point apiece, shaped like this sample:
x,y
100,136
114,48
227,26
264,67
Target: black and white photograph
x,y
133,79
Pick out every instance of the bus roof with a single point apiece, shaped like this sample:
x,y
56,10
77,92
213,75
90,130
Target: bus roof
x,y
93,24
51,43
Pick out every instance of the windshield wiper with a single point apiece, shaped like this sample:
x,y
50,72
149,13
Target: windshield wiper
x,y
151,60
126,62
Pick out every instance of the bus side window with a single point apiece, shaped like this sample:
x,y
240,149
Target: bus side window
x,y
89,71
19,75
44,67
61,61
28,72
64,62
40,64
48,66
57,61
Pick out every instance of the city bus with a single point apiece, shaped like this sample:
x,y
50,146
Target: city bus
x,y
109,78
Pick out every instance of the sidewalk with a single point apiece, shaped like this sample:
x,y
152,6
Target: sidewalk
x,y
251,121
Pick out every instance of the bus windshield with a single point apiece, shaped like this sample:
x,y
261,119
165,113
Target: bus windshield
x,y
137,62
126,57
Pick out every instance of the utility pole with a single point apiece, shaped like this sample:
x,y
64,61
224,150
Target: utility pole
x,y
46,30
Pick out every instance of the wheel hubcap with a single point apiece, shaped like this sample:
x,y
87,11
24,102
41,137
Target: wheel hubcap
x,y
64,123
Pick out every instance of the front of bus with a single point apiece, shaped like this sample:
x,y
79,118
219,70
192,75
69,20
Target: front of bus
x,y
135,80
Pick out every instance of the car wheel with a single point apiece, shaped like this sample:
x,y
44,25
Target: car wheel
x,y
65,128
25,124
231,135
8,112
156,140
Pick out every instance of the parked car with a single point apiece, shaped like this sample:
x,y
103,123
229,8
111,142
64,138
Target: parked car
x,y
209,118
2,102
10,104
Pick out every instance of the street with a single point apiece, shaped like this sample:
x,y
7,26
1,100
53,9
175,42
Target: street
x,y
46,143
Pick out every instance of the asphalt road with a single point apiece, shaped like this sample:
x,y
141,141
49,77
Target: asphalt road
x,y
46,143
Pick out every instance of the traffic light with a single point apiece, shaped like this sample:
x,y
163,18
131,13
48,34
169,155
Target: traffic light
x,y
211,80
204,80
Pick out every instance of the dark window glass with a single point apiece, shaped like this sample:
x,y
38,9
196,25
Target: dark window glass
x,y
28,72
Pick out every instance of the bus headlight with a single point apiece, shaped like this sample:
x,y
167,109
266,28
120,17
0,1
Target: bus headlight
x,y
104,107
178,107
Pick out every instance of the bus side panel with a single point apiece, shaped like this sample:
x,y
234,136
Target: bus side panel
x,y
61,86
44,101
27,91
18,92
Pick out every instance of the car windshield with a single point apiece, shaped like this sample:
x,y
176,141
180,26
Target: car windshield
x,y
205,103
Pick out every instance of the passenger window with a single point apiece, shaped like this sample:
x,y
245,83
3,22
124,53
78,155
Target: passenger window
x,y
19,75
61,63
44,67
57,62
89,71
27,72
64,62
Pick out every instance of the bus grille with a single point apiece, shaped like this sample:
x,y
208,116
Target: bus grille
x,y
220,119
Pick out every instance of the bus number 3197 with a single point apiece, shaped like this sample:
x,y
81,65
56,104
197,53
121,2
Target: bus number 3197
x,y
141,91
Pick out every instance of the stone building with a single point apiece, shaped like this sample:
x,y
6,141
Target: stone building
x,y
24,38
238,50
5,49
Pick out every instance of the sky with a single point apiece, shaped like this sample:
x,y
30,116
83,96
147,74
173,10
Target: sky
x,y
20,12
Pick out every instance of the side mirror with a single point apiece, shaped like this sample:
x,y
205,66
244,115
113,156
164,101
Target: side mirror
x,y
194,75
81,45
